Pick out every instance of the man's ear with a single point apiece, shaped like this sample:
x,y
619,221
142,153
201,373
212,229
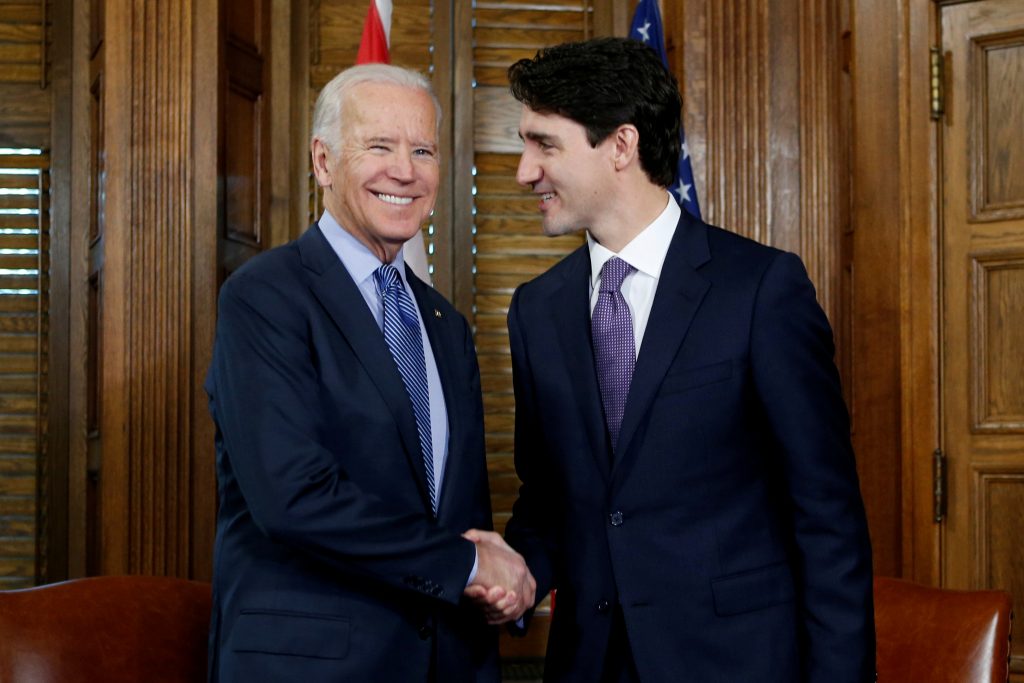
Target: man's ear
x,y
320,154
626,149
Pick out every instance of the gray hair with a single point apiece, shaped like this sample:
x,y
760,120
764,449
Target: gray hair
x,y
327,123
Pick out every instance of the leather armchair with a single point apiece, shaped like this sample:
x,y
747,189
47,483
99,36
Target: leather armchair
x,y
941,635
108,628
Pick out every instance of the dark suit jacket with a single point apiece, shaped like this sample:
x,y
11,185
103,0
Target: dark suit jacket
x,y
329,565
728,524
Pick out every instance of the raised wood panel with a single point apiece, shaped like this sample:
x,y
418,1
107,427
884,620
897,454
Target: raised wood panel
x,y
244,21
1001,526
242,169
997,373
997,182
245,132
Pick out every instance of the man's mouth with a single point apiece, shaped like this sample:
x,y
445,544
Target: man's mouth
x,y
393,199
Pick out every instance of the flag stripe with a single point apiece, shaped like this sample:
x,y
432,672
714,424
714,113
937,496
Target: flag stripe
x,y
373,47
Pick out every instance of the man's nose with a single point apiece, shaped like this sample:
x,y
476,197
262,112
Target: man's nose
x,y
528,172
401,167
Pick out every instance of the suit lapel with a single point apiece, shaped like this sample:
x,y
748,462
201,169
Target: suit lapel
x,y
570,311
338,294
441,346
681,290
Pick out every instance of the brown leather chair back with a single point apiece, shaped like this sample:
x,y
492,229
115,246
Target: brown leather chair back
x,y
940,635
106,628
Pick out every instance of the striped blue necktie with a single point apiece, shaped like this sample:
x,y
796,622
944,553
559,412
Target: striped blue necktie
x,y
404,340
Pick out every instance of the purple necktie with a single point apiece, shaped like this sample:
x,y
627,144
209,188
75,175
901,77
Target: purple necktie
x,y
614,346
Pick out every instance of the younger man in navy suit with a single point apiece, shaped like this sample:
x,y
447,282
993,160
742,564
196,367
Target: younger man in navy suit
x,y
688,483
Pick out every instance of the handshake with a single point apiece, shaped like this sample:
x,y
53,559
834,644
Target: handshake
x,y
503,586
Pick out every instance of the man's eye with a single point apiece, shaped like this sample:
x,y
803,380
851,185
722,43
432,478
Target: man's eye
x,y
423,152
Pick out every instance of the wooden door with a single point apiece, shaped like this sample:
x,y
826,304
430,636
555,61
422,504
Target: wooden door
x,y
982,313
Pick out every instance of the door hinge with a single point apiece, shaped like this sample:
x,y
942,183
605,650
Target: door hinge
x,y
939,484
937,79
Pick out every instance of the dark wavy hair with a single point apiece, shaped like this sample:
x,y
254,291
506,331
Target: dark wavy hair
x,y
601,84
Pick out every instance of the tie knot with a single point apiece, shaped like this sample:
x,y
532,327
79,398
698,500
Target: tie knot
x,y
385,277
613,273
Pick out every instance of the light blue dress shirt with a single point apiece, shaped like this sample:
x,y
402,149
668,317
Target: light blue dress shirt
x,y
360,263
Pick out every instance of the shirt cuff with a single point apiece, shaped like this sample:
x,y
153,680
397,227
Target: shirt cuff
x,y
476,565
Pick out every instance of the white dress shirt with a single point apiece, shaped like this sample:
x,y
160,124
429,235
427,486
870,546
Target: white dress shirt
x,y
646,252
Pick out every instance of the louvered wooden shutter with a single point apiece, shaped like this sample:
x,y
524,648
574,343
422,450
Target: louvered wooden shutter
x,y
24,248
509,246
23,345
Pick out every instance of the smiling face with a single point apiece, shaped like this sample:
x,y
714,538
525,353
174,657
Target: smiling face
x,y
571,178
381,185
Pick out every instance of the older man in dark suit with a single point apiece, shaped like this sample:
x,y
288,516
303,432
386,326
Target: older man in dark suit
x,y
350,449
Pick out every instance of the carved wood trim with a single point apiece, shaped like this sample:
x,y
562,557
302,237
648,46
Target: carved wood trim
x,y
149,364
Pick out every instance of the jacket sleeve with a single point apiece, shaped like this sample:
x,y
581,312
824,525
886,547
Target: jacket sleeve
x,y
264,396
529,530
798,385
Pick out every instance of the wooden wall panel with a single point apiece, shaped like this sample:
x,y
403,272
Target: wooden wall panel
x,y
762,113
144,331
25,101
153,302
778,157
245,133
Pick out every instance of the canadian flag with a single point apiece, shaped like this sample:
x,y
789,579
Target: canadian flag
x,y
376,34
374,47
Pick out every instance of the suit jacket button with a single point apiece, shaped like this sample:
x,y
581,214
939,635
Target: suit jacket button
x,y
615,518
603,607
425,632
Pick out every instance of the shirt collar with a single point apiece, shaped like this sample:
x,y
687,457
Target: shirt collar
x,y
357,258
646,252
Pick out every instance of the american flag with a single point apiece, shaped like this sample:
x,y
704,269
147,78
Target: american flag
x,y
646,28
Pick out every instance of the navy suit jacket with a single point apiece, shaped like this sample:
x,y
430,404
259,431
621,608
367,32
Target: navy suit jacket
x,y
728,523
329,563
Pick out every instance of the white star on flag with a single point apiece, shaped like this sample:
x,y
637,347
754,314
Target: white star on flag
x,y
685,151
643,31
682,191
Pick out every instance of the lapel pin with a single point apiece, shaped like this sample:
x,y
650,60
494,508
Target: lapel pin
x,y
437,313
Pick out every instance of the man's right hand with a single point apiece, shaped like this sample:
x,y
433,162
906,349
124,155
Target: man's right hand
x,y
503,586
